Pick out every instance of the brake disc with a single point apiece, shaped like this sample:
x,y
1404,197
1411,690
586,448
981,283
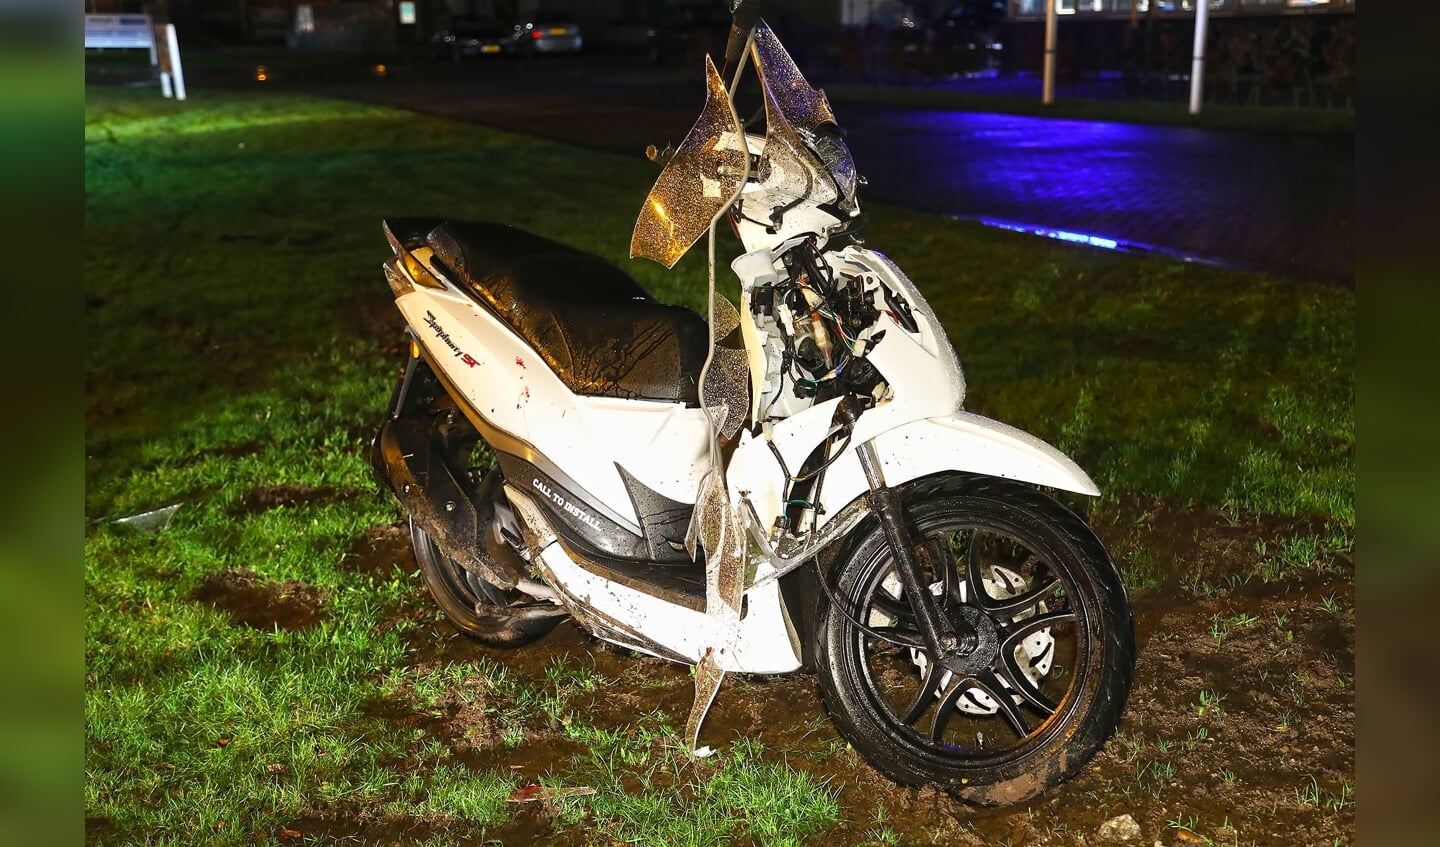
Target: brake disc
x,y
1035,655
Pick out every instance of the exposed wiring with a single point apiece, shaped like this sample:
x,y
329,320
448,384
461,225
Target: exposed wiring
x,y
779,389
828,462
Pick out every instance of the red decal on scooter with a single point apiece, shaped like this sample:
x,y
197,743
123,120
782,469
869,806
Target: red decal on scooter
x,y
444,336
519,361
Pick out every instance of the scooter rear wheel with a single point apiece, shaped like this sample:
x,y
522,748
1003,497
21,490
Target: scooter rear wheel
x,y
1043,689
480,610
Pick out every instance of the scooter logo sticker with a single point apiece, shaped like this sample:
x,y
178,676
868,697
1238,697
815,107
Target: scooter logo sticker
x,y
444,336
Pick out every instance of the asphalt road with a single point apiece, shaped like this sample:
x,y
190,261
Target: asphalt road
x,y
1273,202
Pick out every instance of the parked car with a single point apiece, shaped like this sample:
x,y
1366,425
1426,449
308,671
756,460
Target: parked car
x,y
547,32
687,31
463,38
969,38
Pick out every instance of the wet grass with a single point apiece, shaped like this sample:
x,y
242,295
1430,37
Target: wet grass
x,y
240,345
647,785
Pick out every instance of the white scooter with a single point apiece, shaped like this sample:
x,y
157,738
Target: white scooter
x,y
790,485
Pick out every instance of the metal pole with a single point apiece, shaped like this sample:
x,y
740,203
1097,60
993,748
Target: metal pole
x,y
1197,66
1050,20
176,71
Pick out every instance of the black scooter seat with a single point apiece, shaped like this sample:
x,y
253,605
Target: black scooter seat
x,y
596,328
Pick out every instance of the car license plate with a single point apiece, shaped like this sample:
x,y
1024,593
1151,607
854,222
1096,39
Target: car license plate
x,y
490,48
557,30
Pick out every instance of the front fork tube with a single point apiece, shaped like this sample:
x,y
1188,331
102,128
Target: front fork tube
x,y
944,639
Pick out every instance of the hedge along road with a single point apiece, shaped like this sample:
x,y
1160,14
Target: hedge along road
x,y
1274,202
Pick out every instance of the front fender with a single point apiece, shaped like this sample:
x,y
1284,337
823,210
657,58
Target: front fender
x,y
960,441
974,443
963,442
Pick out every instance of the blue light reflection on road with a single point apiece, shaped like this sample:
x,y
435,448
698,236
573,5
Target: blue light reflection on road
x,y
1281,202
1079,169
1060,234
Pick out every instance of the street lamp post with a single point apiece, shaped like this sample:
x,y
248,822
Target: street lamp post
x,y
1050,20
1197,66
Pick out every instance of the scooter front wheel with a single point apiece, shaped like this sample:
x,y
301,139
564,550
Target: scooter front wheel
x,y
480,610
1044,683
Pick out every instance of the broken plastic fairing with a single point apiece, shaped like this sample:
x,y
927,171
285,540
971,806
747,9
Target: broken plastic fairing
x,y
725,384
701,179
804,157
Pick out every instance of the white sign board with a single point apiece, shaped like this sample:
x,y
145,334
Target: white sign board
x,y
407,13
120,31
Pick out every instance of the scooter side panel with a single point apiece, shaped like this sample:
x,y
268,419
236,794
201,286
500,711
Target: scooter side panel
x,y
506,382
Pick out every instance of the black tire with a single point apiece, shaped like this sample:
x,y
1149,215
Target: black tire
x,y
930,727
480,610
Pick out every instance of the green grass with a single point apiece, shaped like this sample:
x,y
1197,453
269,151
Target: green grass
x,y
1333,800
235,335
1222,625
648,786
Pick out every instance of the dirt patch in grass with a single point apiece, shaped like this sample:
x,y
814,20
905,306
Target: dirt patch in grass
x,y
643,683
380,551
349,824
1239,728
97,828
1241,724
255,602
474,722
1173,556
532,823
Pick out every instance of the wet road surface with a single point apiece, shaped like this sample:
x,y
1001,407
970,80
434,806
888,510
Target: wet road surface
x,y
1278,203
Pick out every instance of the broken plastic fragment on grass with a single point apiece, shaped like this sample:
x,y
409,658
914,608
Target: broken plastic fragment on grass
x,y
155,520
532,793
703,752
